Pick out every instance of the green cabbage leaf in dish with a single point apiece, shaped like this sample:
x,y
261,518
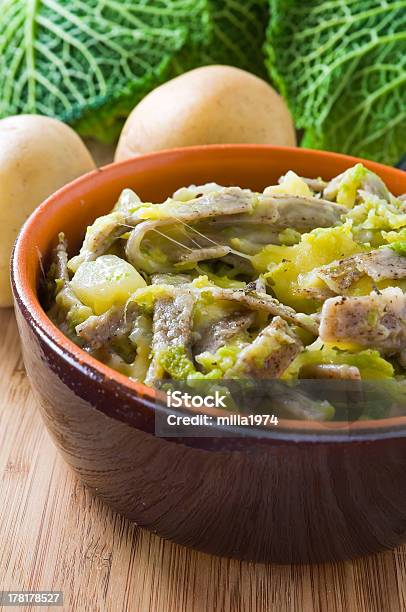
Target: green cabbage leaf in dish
x,y
399,247
341,66
89,63
369,362
374,218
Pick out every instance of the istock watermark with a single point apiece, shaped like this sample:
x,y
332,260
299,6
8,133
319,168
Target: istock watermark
x,y
224,408
209,410
177,399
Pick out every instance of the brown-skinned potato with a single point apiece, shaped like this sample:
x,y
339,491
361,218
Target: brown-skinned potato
x,y
38,155
209,105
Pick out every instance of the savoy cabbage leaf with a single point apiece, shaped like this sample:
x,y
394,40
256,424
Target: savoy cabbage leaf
x,y
341,65
87,62
237,37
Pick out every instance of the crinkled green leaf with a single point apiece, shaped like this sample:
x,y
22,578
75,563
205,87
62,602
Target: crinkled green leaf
x,y
71,59
238,35
88,63
341,65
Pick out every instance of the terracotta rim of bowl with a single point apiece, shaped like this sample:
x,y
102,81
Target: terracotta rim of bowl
x,y
28,301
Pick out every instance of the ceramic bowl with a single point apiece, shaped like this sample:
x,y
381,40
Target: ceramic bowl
x,y
298,492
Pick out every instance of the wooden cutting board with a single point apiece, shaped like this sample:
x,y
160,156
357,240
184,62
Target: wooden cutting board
x,y
55,536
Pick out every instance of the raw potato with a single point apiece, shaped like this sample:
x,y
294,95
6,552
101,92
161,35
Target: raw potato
x,y
209,105
38,155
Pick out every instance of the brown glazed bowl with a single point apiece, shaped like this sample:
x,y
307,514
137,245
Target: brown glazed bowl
x,y
298,492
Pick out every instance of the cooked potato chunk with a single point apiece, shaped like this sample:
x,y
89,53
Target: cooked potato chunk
x,y
106,282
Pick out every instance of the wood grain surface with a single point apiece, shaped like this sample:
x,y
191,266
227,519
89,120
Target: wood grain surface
x,y
55,536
